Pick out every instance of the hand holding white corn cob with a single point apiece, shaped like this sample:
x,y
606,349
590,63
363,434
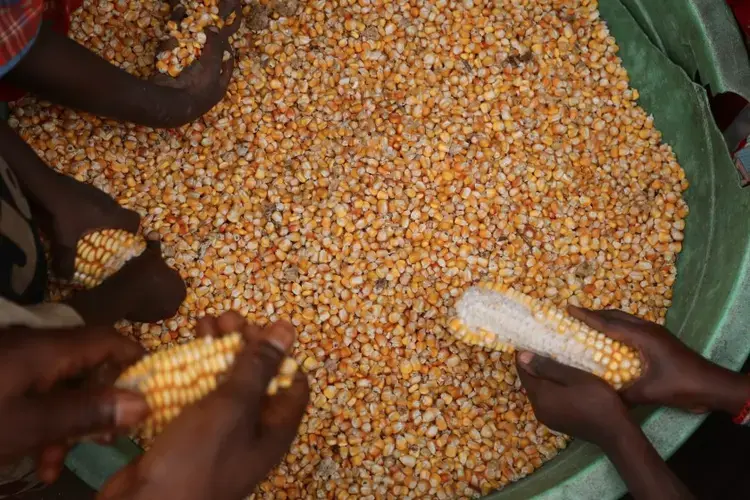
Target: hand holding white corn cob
x,y
500,318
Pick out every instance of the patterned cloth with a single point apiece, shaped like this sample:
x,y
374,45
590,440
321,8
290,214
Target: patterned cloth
x,y
23,279
20,477
23,267
20,22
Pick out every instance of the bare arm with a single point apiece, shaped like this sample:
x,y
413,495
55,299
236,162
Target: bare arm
x,y
646,475
38,181
63,71
584,406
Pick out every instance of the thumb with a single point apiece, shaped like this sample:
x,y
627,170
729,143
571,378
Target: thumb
x,y
128,220
545,368
71,414
227,68
213,49
282,414
63,260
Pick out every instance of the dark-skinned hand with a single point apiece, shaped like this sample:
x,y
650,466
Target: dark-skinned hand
x,y
673,374
145,290
155,290
225,444
572,401
79,208
42,400
207,79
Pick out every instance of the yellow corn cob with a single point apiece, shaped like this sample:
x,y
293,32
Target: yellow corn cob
x,y
500,318
100,254
174,378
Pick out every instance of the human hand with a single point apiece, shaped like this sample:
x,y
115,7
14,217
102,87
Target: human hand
x,y
43,404
79,208
145,290
225,444
206,80
572,401
673,374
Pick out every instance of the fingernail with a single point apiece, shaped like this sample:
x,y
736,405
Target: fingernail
x,y
525,357
281,335
130,409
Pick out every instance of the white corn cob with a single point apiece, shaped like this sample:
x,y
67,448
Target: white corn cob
x,y
500,318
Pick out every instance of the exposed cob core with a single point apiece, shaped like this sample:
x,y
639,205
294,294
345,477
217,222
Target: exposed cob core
x,y
500,318
100,254
172,379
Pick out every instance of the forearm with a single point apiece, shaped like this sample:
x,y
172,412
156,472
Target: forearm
x,y
62,71
646,475
34,175
728,391
91,310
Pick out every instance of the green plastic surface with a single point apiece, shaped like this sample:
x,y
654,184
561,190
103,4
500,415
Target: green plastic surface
x,y
712,291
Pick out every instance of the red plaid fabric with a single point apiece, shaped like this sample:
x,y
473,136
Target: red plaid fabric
x,y
19,23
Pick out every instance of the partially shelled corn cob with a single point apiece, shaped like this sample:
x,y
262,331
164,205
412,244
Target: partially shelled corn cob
x,y
500,318
100,254
172,379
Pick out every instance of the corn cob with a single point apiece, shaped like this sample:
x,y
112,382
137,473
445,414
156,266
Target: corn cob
x,y
100,254
172,379
500,318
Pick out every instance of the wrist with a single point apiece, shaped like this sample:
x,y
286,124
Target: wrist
x,y
169,107
726,391
622,436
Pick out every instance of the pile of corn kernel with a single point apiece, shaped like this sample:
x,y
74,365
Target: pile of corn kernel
x,y
371,160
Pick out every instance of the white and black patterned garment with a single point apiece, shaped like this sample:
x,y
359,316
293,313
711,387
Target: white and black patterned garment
x,y
23,280
23,269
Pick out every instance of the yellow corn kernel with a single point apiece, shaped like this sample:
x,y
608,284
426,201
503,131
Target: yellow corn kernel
x,y
100,254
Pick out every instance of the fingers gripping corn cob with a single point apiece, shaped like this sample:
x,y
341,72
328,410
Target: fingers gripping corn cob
x,y
500,318
100,254
172,379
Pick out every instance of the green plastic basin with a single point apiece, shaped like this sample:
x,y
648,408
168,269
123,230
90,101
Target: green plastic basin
x,y
711,294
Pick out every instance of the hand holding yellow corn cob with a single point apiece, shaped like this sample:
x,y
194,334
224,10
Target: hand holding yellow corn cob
x,y
223,446
174,378
500,318
100,254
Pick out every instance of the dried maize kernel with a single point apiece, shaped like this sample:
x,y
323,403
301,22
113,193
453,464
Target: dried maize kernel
x,y
356,180
172,379
100,254
503,319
